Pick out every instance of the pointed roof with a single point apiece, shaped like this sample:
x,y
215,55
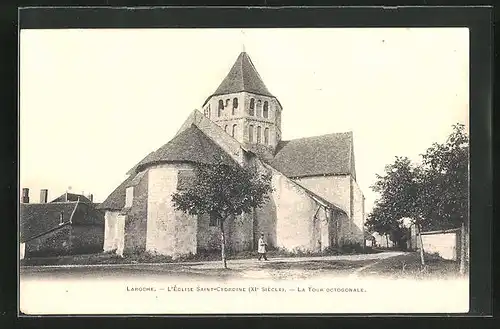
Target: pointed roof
x,y
243,76
68,197
191,145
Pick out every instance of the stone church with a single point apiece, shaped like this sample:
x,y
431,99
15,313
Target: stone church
x,y
316,202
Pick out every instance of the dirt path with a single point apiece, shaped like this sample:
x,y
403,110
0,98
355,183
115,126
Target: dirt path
x,y
238,263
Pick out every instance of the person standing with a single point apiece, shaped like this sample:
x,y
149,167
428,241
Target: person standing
x,y
262,248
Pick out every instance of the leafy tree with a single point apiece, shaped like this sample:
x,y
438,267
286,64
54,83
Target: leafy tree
x,y
434,194
223,191
444,198
398,190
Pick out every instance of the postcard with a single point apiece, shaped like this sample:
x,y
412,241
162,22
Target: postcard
x,y
244,171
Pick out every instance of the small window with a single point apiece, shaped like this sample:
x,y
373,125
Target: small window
x,y
250,133
266,136
265,112
233,133
129,196
221,107
225,128
227,102
252,106
258,134
235,105
214,220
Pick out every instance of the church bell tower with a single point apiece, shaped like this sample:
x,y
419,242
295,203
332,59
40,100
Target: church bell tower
x,y
245,109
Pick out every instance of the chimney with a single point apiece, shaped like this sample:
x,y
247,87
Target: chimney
x,y
91,198
26,195
44,195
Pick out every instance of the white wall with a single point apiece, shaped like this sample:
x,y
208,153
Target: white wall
x,y
22,248
110,218
358,213
444,244
335,189
296,227
169,231
120,234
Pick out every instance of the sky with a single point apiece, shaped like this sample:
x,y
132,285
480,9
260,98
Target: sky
x,y
94,102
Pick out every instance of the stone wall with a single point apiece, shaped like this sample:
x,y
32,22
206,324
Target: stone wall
x,y
240,232
242,118
358,213
55,243
110,230
296,228
339,190
169,231
335,189
87,239
136,223
216,133
265,222
208,237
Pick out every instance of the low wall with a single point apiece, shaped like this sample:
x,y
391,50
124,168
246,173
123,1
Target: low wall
x,y
444,243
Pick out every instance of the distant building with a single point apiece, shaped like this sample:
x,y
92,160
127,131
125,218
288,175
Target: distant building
x,y
382,241
70,224
316,203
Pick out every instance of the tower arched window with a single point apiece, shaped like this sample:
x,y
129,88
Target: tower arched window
x,y
250,133
221,107
258,111
252,107
227,102
225,128
266,136
235,103
233,133
259,132
265,111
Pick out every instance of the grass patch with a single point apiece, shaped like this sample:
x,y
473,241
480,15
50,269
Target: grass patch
x,y
200,256
409,265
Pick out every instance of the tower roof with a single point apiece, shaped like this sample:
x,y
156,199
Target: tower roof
x,y
242,77
191,145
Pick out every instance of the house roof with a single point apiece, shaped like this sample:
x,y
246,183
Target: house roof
x,y
315,156
116,200
243,76
39,218
191,145
71,197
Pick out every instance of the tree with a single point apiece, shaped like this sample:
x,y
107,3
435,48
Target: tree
x,y
445,183
444,197
223,190
398,190
434,194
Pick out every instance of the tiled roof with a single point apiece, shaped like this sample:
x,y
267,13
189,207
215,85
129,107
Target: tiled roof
x,y
37,218
71,197
314,156
116,200
191,145
242,77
